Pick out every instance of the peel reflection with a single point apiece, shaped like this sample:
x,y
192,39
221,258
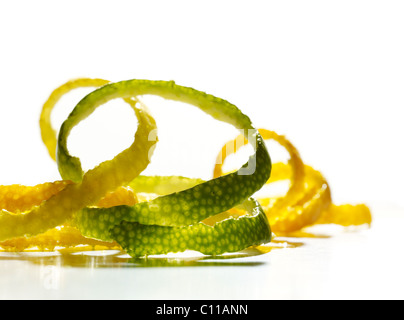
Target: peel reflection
x,y
87,258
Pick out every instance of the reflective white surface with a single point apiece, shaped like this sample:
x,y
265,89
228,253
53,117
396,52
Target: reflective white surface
x,y
335,264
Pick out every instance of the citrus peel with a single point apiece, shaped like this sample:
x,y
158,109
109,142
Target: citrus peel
x,y
308,199
113,205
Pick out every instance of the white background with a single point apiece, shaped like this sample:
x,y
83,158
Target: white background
x,y
327,74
